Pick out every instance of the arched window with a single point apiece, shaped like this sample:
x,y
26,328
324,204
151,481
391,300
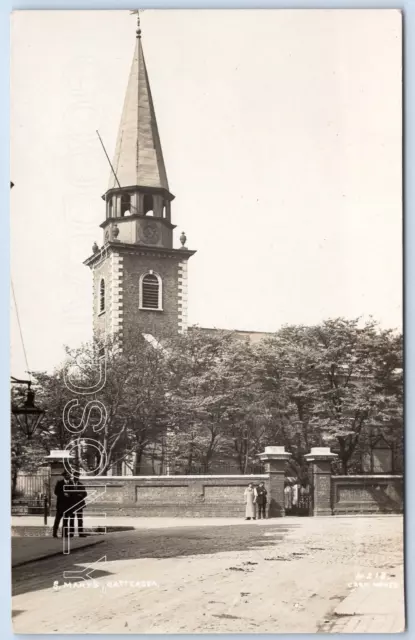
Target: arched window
x,y
102,295
110,208
151,291
148,205
125,204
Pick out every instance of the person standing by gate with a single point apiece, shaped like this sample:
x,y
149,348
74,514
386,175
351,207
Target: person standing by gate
x,y
63,505
78,500
249,496
261,500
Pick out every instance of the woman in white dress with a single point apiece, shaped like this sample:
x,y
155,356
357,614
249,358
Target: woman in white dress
x,y
249,496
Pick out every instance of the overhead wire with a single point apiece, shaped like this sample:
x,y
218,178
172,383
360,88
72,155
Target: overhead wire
x,y
20,330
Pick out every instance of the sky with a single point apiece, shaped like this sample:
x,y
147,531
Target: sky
x,y
282,139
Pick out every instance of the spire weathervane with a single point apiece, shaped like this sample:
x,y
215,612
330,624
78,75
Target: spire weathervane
x,y
137,12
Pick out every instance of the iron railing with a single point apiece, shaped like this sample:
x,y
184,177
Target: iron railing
x,y
31,495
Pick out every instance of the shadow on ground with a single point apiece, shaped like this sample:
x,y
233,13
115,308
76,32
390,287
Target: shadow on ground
x,y
156,543
16,612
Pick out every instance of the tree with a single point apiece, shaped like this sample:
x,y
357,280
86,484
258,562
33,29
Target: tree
x,y
122,416
210,395
134,397
329,382
27,454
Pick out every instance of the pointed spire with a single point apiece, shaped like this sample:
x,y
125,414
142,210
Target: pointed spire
x,y
138,159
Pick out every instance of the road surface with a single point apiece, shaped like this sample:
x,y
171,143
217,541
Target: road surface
x,y
277,576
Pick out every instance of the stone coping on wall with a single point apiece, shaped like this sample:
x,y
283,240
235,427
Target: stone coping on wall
x,y
377,476
254,475
189,477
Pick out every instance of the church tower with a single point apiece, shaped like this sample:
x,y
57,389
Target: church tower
x,y
139,279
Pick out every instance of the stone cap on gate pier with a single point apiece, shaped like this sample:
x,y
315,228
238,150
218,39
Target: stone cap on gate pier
x,y
320,453
274,453
59,454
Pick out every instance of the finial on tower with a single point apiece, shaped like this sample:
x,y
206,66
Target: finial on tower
x,y
138,31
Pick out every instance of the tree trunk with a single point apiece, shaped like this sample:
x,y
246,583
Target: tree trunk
x,y
209,454
15,472
190,457
138,459
344,453
246,458
153,458
239,454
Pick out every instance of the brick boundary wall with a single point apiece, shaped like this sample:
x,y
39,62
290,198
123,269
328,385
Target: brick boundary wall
x,y
367,494
171,496
223,495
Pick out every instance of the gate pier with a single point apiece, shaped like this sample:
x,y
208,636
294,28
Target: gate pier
x,y
319,460
275,459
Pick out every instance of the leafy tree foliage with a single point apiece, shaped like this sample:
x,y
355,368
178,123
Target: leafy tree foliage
x,y
331,382
195,401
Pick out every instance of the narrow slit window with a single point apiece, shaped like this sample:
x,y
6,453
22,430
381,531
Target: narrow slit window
x,y
102,296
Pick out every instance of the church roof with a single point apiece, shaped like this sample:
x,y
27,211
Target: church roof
x,y
253,336
138,159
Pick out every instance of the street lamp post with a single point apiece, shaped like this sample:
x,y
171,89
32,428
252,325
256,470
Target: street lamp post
x,y
27,415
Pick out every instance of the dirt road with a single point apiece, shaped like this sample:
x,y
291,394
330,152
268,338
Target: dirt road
x,y
280,576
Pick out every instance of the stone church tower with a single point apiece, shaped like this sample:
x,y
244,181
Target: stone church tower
x,y
139,279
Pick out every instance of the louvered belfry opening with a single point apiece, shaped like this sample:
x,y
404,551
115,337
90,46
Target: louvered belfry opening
x,y
151,291
125,204
110,208
148,205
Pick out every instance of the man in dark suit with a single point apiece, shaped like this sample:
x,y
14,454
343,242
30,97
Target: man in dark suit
x,y
261,500
63,505
78,500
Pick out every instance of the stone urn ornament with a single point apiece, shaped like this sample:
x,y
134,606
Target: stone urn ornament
x,y
115,231
183,239
95,248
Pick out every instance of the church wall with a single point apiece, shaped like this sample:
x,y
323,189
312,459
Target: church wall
x,y
157,323
150,231
111,269
166,237
183,296
101,320
127,231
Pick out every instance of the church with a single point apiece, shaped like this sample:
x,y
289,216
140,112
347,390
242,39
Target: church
x,y
139,277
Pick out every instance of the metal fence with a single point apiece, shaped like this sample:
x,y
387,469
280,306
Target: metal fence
x,y
30,486
31,495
